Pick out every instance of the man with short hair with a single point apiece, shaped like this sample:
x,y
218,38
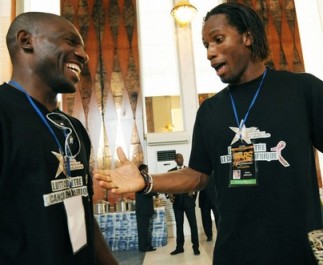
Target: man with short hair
x,y
45,180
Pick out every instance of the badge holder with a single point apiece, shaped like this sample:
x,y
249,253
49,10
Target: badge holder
x,y
243,169
76,222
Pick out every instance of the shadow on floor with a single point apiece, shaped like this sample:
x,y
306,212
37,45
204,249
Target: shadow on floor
x,y
129,257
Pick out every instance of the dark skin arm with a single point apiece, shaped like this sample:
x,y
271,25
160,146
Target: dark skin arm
x,y
103,253
127,178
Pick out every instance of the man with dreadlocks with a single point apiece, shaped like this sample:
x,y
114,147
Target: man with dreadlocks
x,y
257,136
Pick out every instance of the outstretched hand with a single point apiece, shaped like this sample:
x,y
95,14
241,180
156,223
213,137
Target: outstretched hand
x,y
126,178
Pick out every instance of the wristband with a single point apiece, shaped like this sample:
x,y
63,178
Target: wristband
x,y
148,182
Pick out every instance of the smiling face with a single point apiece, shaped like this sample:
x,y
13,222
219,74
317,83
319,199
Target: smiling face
x,y
58,54
228,50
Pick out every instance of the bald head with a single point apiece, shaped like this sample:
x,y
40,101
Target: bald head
x,y
29,22
47,53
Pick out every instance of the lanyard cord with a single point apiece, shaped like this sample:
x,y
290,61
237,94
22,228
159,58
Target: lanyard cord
x,y
42,117
67,132
243,121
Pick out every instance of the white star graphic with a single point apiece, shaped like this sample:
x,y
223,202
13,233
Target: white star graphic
x,y
243,134
61,165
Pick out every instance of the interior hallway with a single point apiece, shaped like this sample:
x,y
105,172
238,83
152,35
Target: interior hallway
x,y
162,256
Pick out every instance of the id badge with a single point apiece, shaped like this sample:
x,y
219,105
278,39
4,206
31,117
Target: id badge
x,y
243,167
76,222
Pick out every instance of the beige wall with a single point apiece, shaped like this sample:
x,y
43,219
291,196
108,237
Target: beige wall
x,y
5,18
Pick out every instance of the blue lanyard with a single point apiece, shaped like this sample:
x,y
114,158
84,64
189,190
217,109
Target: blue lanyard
x,y
42,117
243,121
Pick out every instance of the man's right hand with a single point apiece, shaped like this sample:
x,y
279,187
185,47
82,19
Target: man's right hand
x,y
126,178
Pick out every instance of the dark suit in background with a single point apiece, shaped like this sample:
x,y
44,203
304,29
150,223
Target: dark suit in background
x,y
144,213
207,204
185,203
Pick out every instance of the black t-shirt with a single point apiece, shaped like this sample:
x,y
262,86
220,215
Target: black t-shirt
x,y
33,223
267,223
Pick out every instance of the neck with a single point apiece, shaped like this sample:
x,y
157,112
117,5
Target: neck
x,y
44,96
252,72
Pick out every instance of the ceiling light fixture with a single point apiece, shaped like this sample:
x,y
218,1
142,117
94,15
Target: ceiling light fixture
x,y
183,12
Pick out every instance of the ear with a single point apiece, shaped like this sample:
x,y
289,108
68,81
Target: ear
x,y
24,40
247,38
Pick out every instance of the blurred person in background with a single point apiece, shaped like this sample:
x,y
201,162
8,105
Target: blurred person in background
x,y
144,214
184,203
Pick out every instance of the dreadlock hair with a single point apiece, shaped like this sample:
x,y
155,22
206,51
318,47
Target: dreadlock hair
x,y
245,19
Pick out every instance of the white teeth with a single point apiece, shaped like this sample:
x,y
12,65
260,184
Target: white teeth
x,y
74,67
